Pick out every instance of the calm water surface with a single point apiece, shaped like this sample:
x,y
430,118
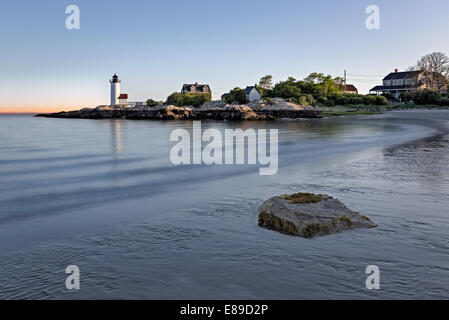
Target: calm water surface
x,y
104,196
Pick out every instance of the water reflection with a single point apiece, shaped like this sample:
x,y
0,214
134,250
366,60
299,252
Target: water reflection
x,y
117,132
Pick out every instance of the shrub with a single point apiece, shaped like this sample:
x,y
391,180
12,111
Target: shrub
x,y
175,99
407,96
236,95
342,100
302,100
370,100
389,96
310,99
426,97
356,100
189,99
195,100
444,102
269,100
268,94
381,100
152,103
323,100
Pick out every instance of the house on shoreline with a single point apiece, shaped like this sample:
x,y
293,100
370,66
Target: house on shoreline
x,y
397,83
349,88
196,89
251,93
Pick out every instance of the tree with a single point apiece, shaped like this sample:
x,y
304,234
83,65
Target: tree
x,y
175,99
327,86
323,85
188,99
286,89
152,103
318,88
340,84
236,95
436,68
314,78
426,97
266,83
339,81
195,100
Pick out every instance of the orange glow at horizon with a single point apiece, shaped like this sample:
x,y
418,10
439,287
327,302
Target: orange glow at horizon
x,y
40,109
46,107
52,95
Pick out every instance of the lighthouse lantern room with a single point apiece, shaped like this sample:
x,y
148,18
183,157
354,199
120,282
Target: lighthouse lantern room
x,y
115,89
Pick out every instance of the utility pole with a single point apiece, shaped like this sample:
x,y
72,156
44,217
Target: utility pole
x,y
345,81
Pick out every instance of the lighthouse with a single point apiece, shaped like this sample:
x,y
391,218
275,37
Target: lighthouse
x,y
115,89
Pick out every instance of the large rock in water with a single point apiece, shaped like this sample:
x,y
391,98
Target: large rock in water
x,y
309,215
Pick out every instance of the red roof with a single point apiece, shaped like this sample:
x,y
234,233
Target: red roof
x,y
123,96
351,88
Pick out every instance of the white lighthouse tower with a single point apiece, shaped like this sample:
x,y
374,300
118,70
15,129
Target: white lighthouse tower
x,y
115,89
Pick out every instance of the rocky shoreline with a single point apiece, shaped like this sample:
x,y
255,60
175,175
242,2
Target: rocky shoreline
x,y
217,110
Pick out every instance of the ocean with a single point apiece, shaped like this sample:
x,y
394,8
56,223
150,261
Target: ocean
x,y
104,196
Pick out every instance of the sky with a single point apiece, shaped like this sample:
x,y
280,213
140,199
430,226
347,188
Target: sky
x,y
156,46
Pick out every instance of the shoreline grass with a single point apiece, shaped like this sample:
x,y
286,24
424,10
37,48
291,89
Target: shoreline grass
x,y
415,106
352,112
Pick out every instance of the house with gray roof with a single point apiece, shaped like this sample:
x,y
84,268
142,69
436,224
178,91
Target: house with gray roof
x,y
397,82
252,94
196,89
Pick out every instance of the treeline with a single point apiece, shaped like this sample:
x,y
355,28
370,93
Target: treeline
x,y
316,89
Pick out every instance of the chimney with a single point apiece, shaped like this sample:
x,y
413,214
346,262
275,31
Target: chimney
x,y
396,70
196,83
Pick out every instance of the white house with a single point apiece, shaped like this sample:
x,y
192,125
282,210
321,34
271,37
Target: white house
x,y
252,94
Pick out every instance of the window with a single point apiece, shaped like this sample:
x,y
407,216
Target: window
x,y
398,82
387,83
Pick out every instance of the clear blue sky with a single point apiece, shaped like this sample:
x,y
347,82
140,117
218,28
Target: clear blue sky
x,y
156,46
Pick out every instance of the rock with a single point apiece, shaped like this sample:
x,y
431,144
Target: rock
x,y
216,110
213,105
278,104
309,215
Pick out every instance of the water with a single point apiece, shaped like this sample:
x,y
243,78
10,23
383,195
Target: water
x,y
104,196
